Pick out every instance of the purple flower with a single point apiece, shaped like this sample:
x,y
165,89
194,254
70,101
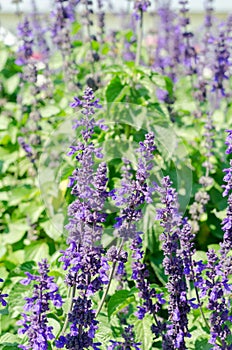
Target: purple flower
x,y
140,275
133,193
3,296
83,326
226,245
27,148
35,324
25,51
84,259
128,343
229,142
89,104
140,6
222,64
177,263
216,286
189,52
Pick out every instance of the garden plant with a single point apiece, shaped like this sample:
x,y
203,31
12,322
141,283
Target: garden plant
x,y
116,178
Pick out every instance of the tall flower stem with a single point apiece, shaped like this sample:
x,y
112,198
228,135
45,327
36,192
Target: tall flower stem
x,y
109,283
200,306
72,291
139,38
89,35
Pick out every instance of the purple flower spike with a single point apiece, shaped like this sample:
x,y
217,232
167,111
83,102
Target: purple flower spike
x,y
35,324
133,193
229,142
89,104
140,6
128,343
178,250
25,51
27,148
3,296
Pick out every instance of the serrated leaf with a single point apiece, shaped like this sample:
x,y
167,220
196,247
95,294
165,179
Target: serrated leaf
x,y
143,333
16,298
104,332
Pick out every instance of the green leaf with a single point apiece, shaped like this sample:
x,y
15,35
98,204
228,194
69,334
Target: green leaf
x,y
11,83
9,339
118,301
113,89
56,61
49,111
104,332
200,255
4,122
54,227
143,333
202,344
20,194
55,324
16,298
3,58
16,232
37,251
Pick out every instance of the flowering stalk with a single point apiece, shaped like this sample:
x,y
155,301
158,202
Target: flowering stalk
x,y
140,6
226,245
176,264
190,55
101,19
221,66
215,286
128,343
84,258
35,325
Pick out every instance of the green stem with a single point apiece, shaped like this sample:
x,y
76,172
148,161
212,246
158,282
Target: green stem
x,y
72,291
89,35
110,279
200,305
139,39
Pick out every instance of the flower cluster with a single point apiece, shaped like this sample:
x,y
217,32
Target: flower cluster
x,y
140,275
226,245
140,6
27,148
216,286
83,259
128,343
3,296
190,55
134,192
176,264
35,325
25,51
222,64
88,104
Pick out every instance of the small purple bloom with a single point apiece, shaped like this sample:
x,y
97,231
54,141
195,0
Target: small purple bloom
x,y
3,296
